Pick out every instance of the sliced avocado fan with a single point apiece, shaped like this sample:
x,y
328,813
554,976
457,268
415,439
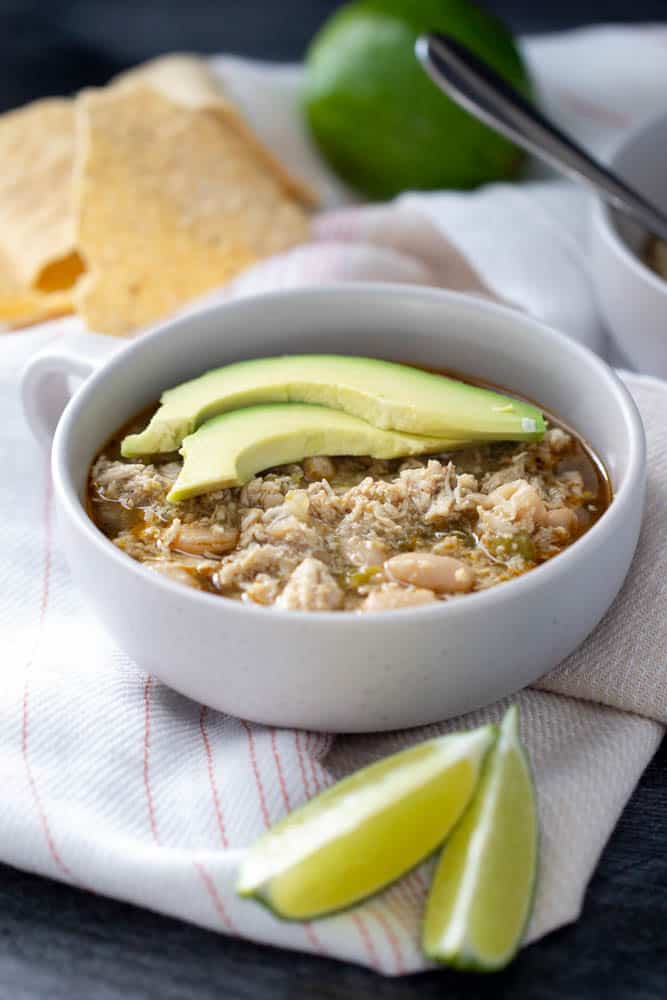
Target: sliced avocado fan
x,y
389,396
231,448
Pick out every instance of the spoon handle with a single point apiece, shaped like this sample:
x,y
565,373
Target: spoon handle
x,y
481,91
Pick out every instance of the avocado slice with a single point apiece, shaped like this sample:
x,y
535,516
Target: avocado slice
x,y
385,394
231,448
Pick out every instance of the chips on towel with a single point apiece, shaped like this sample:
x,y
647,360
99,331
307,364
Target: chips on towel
x,y
21,306
183,78
188,80
173,201
127,202
39,262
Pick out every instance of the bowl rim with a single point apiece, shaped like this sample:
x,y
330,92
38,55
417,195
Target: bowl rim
x,y
602,211
511,590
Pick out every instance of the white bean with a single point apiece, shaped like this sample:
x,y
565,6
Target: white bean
x,y
562,517
443,574
200,540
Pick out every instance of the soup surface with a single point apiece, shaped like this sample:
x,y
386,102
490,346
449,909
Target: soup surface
x,y
330,534
655,255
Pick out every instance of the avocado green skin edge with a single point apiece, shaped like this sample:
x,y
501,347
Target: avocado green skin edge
x,y
471,963
381,123
264,900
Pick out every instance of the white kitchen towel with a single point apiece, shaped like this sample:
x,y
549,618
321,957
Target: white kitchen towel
x,y
116,784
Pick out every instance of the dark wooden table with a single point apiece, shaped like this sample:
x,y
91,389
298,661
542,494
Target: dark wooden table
x,y
61,944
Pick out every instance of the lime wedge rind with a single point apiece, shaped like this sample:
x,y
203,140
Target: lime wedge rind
x,y
357,837
459,893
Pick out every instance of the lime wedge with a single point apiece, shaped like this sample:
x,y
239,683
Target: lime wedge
x,y
362,833
482,892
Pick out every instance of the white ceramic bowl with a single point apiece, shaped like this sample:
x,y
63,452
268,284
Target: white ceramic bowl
x,y
346,671
632,298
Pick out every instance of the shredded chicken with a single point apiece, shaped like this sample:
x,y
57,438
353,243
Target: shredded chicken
x,y
311,587
325,534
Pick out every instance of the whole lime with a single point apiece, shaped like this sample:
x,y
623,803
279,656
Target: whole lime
x,y
380,121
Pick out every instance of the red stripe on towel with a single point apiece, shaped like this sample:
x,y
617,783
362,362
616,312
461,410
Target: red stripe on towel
x,y
216,898
417,877
367,941
255,769
43,607
322,748
314,939
302,766
313,771
147,750
409,928
209,884
394,943
279,769
406,906
211,777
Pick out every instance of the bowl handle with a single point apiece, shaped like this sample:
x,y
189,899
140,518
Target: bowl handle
x,y
46,379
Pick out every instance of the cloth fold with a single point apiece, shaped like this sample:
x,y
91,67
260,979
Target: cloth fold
x,y
114,783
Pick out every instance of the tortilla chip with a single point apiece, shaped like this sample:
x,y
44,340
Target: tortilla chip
x,y
173,201
185,79
37,232
298,189
34,308
169,188
189,80
21,306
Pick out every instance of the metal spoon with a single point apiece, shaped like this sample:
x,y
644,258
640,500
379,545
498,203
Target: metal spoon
x,y
481,91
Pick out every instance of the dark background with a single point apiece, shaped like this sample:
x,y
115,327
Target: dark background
x,y
61,944
59,46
